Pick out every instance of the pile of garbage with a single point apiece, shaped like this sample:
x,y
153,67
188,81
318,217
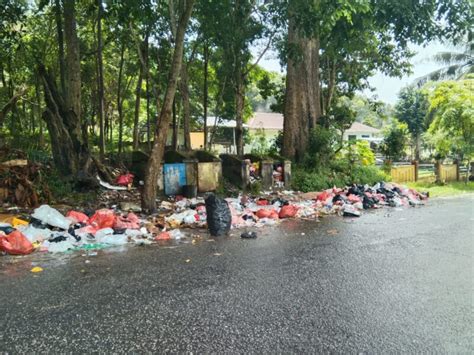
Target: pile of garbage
x,y
49,230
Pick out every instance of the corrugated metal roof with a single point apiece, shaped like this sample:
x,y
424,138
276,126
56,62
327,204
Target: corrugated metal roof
x,y
362,128
266,120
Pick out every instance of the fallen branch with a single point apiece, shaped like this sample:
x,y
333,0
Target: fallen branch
x,y
11,103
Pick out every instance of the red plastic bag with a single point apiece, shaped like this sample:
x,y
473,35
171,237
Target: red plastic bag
x,y
163,236
131,221
288,211
323,196
125,179
262,202
79,217
16,244
262,213
353,198
102,219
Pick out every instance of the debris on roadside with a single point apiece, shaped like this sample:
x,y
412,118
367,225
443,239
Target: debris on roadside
x,y
49,230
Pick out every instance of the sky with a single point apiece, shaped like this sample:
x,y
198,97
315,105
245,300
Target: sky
x,y
386,88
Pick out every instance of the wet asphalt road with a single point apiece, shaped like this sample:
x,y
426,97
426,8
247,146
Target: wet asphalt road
x,y
390,281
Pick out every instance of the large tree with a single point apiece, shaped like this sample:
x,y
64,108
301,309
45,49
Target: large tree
x,y
63,112
164,119
334,46
412,108
452,107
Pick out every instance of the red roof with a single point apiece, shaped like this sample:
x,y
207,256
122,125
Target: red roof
x,y
266,120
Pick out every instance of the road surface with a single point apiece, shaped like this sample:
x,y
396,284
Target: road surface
x,y
391,281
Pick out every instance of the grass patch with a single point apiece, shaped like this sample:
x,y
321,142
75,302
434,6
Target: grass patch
x,y
439,190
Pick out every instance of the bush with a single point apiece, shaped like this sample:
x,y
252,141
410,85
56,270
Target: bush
x,y
304,180
368,175
393,146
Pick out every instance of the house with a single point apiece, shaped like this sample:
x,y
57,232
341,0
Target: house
x,y
363,132
267,123
222,134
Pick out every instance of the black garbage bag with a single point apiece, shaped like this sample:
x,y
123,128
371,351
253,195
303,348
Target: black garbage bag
x,y
357,190
368,203
219,217
388,194
338,198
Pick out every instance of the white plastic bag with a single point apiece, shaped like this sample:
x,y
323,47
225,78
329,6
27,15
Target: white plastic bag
x,y
50,216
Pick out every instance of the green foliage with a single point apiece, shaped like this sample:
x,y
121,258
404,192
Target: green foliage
x,y
304,180
322,142
259,142
393,146
359,152
452,106
368,175
412,108
341,115
255,188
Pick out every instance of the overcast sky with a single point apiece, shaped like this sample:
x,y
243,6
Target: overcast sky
x,y
386,88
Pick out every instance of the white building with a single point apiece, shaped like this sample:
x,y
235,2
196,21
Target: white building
x,y
363,132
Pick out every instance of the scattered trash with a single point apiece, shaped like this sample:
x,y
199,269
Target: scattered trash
x,y
248,235
163,236
47,229
125,179
77,217
350,211
37,269
288,211
109,186
130,207
50,216
16,243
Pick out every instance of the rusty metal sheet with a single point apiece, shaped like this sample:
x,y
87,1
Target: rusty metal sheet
x,y
209,176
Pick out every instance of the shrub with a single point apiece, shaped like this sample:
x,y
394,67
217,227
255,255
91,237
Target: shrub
x,y
309,181
368,175
322,179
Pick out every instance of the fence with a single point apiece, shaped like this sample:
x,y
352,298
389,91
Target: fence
x,y
447,172
404,173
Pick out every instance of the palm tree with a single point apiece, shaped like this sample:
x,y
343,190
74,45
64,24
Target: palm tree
x,y
457,63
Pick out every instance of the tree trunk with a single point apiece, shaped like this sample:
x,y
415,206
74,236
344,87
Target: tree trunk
x,y
147,88
184,89
38,112
73,63
206,91
161,132
59,31
100,81
174,140
56,115
239,110
331,87
417,147
10,105
136,121
120,100
302,101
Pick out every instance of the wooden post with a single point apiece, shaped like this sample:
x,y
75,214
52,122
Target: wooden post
x,y
458,169
438,170
415,163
